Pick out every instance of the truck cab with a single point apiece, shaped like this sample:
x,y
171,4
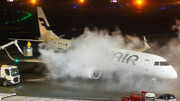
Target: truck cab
x,y
9,75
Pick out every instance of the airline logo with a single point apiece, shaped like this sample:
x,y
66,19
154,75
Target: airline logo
x,y
124,58
43,23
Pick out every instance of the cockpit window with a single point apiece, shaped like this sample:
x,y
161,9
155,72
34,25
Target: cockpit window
x,y
164,63
156,64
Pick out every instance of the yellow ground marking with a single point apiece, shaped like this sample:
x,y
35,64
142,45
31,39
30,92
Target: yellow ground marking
x,y
177,91
16,91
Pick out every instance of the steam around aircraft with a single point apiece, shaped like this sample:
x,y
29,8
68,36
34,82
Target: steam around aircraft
x,y
142,63
146,64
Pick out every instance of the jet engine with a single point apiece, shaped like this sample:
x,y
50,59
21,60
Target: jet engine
x,y
93,73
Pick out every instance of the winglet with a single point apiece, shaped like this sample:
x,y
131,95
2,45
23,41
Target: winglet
x,y
146,46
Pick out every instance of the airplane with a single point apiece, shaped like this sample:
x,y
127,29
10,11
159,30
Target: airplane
x,y
143,63
47,35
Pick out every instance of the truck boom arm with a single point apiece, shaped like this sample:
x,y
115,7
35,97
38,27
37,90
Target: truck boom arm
x,y
10,43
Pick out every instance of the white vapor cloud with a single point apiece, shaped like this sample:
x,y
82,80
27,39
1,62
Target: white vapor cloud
x,y
90,50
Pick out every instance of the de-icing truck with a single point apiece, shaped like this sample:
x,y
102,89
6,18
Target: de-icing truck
x,y
9,75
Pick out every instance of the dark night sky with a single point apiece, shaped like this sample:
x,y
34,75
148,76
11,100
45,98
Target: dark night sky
x,y
63,17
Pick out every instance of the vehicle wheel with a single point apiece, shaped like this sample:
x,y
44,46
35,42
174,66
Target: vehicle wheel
x,y
5,83
124,99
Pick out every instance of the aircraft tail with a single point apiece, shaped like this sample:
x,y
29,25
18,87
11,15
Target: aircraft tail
x,y
45,30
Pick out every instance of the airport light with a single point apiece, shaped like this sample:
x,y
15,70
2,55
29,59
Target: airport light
x,y
82,1
139,2
18,20
10,0
33,1
16,60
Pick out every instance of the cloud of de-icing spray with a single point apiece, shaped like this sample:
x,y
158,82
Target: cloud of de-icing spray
x,y
91,49
88,50
170,51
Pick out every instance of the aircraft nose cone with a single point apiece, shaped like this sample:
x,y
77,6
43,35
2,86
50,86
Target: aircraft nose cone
x,y
173,74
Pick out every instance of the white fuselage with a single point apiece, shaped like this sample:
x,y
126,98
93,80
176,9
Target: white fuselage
x,y
143,63
60,44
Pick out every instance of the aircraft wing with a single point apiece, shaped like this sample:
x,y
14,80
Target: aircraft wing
x,y
21,60
26,40
146,46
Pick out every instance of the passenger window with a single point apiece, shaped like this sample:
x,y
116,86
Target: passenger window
x,y
162,97
156,64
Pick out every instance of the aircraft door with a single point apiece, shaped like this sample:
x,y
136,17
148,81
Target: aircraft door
x,y
146,62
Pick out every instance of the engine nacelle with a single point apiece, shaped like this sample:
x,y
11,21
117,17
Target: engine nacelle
x,y
93,73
